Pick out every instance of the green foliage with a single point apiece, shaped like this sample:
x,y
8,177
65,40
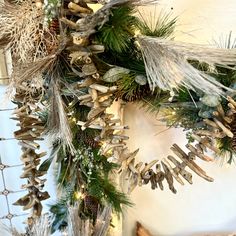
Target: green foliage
x,y
183,95
60,212
181,116
59,209
117,33
88,173
152,103
161,26
226,76
129,89
227,151
102,188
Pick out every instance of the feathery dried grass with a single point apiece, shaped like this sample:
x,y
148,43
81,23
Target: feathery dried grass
x,y
58,124
79,227
22,31
167,64
41,227
103,222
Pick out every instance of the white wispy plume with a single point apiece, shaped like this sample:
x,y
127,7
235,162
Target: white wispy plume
x,y
22,30
80,227
167,64
58,124
41,227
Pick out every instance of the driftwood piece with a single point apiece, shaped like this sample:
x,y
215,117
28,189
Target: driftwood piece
x,y
199,154
75,8
180,169
169,177
175,175
224,129
160,176
192,165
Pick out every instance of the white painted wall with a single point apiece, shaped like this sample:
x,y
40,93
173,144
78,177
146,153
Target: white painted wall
x,y
203,208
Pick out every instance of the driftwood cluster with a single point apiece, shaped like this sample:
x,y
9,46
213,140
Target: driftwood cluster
x,y
222,125
31,129
141,175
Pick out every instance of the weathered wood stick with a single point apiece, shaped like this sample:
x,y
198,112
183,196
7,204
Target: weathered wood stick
x,y
100,88
160,176
199,154
232,107
86,96
175,175
220,110
231,100
169,177
148,166
78,9
180,169
132,168
204,142
210,123
70,23
199,148
209,133
224,129
192,165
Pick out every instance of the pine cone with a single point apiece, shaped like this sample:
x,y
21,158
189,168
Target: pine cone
x,y
233,130
91,142
54,26
137,94
91,203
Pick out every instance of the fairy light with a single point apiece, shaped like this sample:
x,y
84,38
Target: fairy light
x,y
137,32
79,195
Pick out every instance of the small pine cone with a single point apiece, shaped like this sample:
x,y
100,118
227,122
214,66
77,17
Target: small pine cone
x,y
233,130
54,26
91,203
91,142
137,94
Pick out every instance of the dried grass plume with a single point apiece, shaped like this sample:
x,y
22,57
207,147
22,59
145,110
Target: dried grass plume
x,y
22,31
167,65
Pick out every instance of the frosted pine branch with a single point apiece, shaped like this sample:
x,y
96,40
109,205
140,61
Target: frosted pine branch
x,y
167,64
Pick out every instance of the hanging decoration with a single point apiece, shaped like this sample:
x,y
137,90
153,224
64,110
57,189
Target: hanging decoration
x,y
70,64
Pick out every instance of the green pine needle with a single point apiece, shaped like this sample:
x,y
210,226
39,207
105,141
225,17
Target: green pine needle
x,y
102,188
129,89
117,33
226,150
161,26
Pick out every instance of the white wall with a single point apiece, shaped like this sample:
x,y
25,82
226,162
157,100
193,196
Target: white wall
x,y
202,207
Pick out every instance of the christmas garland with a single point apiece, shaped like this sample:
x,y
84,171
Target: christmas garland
x,y
70,63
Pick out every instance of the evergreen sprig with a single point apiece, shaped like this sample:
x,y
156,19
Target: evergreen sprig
x,y
162,26
117,33
101,187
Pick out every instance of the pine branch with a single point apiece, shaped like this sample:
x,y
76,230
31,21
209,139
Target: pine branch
x,y
158,26
117,33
